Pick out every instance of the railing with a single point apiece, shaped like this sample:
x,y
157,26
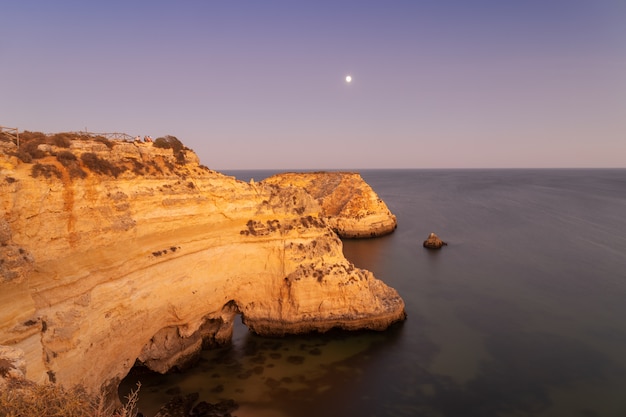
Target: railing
x,y
11,132
112,136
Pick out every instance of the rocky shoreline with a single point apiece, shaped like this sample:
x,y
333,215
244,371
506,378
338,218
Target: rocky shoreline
x,y
117,252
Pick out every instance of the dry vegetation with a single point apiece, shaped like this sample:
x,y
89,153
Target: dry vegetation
x,y
21,398
52,160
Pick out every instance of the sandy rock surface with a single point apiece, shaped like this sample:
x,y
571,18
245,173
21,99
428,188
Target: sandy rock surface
x,y
151,258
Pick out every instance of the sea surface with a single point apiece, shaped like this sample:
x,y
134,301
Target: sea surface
x,y
522,314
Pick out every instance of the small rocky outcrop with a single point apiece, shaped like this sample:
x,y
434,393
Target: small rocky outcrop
x,y
434,242
179,406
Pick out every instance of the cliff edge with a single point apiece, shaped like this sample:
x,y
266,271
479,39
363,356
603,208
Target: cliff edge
x,y
117,252
349,205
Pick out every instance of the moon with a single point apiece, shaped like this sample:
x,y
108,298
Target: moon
x,y
348,79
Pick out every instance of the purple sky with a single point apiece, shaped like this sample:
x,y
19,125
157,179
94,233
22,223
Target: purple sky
x,y
261,84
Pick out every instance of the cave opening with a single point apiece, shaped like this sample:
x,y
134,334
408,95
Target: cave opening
x,y
222,340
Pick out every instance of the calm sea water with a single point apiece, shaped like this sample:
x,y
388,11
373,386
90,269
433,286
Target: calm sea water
x,y
522,314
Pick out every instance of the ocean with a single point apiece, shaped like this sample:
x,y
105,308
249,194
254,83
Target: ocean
x,y
522,314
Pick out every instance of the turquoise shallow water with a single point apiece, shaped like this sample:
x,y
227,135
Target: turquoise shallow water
x,y
522,314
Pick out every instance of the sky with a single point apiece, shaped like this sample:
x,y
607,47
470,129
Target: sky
x,y
262,84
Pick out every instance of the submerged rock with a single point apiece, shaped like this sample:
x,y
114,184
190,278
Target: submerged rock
x,y
179,406
433,242
222,409
183,406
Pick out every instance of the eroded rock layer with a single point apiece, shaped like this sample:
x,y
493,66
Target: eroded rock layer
x,y
349,205
139,253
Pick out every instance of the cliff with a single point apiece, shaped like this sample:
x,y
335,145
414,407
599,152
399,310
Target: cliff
x,y
117,252
349,205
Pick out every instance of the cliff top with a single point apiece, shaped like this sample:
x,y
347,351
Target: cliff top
x,y
72,155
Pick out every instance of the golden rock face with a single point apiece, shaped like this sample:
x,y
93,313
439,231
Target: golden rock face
x,y
349,205
154,261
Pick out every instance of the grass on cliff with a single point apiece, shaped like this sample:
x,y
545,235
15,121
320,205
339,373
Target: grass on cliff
x,y
21,398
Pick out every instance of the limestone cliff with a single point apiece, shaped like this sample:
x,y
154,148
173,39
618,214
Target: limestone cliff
x,y
117,252
349,205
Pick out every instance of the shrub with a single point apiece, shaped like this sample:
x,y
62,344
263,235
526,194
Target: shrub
x,y
66,157
62,140
109,144
161,143
177,147
45,170
27,136
32,148
24,156
69,161
100,166
25,398
169,142
76,171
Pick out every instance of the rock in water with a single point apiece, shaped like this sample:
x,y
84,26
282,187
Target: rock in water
x,y
178,406
221,409
433,242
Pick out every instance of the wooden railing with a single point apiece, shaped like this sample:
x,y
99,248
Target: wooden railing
x,y
11,132
112,136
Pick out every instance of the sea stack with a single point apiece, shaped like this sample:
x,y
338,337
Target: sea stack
x,y
433,242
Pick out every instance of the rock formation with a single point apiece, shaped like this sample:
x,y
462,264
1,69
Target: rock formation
x,y
349,205
433,242
117,252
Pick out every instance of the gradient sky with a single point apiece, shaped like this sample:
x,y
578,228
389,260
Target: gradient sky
x,y
261,84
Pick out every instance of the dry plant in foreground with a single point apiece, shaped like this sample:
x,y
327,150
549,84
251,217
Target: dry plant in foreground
x,y
21,398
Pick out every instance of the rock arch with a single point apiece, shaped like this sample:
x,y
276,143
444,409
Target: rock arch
x,y
173,348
